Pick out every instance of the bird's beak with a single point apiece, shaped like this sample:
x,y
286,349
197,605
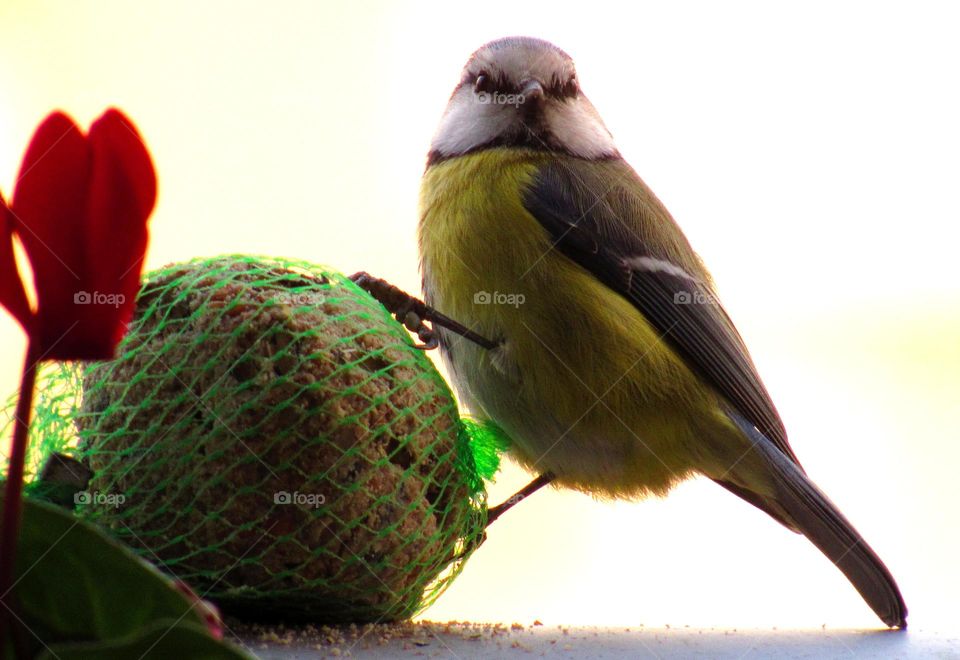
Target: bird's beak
x,y
531,90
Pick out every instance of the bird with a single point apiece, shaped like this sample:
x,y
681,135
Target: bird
x,y
612,366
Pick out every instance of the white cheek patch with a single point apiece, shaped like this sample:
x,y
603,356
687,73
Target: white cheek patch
x,y
577,126
471,120
653,265
468,123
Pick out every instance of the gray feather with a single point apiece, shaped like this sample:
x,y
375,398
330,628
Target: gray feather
x,y
799,504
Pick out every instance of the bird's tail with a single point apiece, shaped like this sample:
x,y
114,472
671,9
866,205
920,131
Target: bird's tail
x,y
801,506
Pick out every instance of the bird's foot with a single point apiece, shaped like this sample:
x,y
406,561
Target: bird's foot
x,y
413,313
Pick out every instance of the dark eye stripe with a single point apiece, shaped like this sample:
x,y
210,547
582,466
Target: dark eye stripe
x,y
566,90
483,81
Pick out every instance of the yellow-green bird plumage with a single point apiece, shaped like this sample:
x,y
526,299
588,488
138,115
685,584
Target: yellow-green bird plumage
x,y
666,421
615,368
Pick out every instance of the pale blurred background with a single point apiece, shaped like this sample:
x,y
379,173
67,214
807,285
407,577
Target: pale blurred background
x,y
811,153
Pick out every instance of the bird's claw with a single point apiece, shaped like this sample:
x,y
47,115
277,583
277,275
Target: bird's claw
x,y
415,324
414,313
430,340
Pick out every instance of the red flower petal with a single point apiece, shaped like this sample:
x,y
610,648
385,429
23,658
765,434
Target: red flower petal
x,y
82,204
123,190
12,295
49,204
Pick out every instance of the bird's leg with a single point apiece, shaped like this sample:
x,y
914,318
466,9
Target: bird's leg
x,y
413,312
526,491
495,512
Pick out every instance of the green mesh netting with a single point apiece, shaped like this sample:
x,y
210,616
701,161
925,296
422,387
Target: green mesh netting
x,y
269,434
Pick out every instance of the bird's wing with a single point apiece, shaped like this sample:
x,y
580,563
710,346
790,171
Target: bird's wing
x,y
601,218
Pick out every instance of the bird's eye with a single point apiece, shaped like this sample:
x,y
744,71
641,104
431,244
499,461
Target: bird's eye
x,y
484,83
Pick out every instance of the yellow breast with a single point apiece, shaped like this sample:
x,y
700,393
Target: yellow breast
x,y
575,353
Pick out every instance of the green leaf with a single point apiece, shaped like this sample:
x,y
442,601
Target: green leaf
x,y
75,583
161,641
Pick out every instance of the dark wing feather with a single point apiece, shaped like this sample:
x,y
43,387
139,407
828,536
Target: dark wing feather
x,y
602,222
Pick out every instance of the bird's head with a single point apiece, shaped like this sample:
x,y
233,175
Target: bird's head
x,y
521,92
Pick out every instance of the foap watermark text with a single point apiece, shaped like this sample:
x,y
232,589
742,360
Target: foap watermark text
x,y
300,499
98,298
693,298
301,299
498,298
501,98
86,498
